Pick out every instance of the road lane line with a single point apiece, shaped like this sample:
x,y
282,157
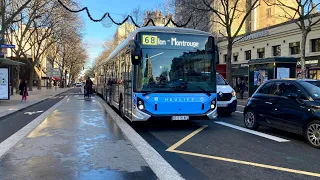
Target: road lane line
x,y
11,141
253,132
173,147
239,112
248,163
241,106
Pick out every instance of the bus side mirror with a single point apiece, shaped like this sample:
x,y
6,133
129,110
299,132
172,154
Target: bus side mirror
x,y
136,53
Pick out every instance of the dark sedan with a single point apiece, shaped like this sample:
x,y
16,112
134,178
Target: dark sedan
x,y
292,105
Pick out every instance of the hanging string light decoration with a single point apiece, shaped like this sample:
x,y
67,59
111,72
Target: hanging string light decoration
x,y
107,23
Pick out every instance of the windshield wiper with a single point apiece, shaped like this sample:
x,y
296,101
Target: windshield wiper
x,y
150,92
204,91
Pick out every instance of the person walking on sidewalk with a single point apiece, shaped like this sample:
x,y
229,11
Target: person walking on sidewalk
x,y
242,87
23,90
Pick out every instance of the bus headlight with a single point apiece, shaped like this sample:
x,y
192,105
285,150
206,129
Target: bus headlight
x,y
141,107
234,94
213,104
140,104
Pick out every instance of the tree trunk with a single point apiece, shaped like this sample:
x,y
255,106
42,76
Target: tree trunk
x,y
17,70
228,62
31,79
303,53
39,82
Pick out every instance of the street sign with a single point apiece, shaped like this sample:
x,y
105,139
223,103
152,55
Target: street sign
x,y
7,46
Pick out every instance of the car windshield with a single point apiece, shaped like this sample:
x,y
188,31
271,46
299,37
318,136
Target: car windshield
x,y
316,83
168,70
220,80
312,88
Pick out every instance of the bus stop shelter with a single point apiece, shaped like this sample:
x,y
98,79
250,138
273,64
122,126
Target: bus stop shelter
x,y
6,74
261,70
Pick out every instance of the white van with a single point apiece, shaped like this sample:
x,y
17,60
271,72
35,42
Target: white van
x,y
226,96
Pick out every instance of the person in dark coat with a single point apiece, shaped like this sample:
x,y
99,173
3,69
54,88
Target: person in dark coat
x,y
242,87
23,90
88,87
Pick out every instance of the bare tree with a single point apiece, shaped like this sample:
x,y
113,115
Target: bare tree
x,y
9,11
303,13
200,20
230,16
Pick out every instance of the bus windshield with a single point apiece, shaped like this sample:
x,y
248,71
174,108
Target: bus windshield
x,y
176,70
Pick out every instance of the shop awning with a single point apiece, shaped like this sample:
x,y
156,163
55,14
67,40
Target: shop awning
x,y
5,61
56,79
241,72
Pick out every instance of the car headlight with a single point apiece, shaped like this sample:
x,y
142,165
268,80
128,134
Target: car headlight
x,y
234,94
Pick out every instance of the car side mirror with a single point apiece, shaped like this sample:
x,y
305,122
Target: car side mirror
x,y
136,52
292,96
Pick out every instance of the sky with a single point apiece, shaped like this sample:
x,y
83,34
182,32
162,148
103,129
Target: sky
x,y
95,33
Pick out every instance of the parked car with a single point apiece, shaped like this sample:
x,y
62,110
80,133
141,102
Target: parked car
x,y
288,104
226,96
79,84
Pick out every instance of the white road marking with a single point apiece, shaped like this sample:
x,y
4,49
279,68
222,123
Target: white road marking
x,y
241,106
31,113
253,132
156,162
239,112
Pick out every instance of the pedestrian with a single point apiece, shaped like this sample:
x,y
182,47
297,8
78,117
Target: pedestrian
x,y
23,90
88,86
242,87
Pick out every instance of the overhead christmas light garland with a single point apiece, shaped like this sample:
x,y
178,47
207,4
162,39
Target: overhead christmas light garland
x,y
126,19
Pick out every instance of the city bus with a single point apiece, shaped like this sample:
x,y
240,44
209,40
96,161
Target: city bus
x,y
162,73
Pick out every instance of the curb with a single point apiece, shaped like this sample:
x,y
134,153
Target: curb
x,y
162,169
37,102
11,141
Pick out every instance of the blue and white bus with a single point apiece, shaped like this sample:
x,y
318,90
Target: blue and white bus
x,y
162,73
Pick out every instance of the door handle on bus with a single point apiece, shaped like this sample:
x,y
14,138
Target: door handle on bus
x,y
268,102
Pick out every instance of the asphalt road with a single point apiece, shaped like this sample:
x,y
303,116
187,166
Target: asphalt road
x,y
219,150
13,123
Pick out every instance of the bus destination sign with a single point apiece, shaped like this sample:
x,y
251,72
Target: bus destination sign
x,y
176,41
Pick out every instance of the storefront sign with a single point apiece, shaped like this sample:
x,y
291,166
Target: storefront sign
x,y
253,36
4,84
308,62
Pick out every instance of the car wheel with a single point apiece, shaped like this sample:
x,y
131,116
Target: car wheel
x,y
250,120
312,133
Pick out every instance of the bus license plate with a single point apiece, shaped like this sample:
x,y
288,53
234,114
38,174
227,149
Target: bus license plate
x,y
179,118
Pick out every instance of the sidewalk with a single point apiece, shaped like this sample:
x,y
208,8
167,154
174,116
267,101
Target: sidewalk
x,y
83,145
35,96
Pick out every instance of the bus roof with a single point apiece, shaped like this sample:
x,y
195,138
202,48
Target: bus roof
x,y
126,42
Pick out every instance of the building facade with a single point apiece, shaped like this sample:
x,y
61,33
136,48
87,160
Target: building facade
x,y
279,40
261,17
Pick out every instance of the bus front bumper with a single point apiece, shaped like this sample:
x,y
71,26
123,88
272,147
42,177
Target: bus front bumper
x,y
138,115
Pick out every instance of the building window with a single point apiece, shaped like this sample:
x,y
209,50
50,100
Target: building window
x,y
235,58
276,50
248,55
225,58
315,45
294,47
269,12
261,52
